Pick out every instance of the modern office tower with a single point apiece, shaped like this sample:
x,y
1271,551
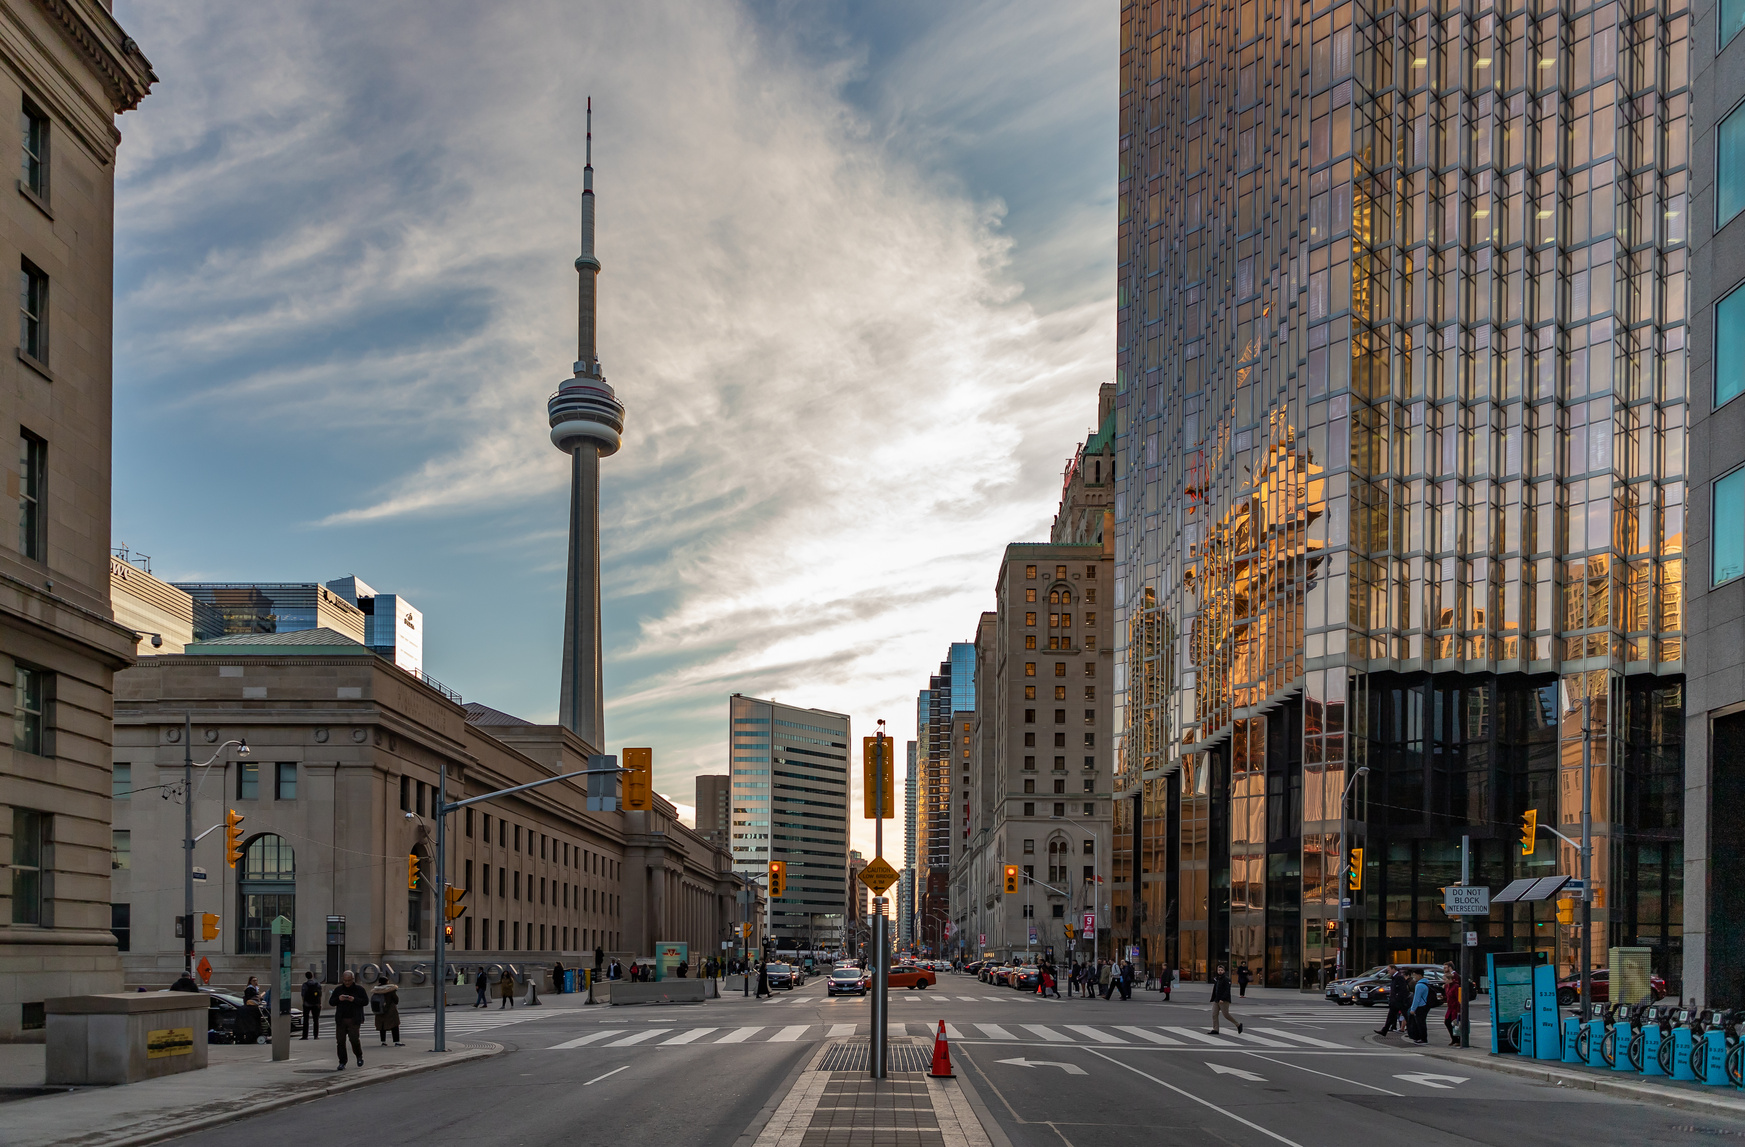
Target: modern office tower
x,y
1043,660
586,423
949,692
713,808
1400,471
911,824
69,71
393,626
270,607
1714,857
790,803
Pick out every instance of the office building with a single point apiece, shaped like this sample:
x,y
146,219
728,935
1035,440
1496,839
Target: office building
x,y
272,607
790,803
906,876
714,808
163,618
1714,842
1400,473
393,626
945,710
70,70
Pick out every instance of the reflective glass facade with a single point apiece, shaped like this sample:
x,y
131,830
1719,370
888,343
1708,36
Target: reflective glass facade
x,y
1400,462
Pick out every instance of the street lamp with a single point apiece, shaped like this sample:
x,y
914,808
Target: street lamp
x,y
188,831
1096,900
1344,875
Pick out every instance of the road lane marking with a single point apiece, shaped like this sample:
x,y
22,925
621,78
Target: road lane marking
x,y
1098,1036
995,1031
1049,1034
1151,1036
1202,1037
996,999
951,1032
1069,1068
967,999
638,1037
687,1037
1202,1102
739,1035
911,999
608,1075
587,1039
1239,1073
1323,1074
837,1030
1263,1041
1308,1039
789,1034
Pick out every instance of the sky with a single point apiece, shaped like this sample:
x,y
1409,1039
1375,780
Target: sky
x,y
857,297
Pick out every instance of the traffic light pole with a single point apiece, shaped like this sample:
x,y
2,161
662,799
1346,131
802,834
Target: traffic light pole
x,y
1587,890
188,844
443,808
881,961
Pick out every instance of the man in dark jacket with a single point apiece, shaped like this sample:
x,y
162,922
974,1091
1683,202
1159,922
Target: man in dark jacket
x,y
348,1002
311,1006
1399,1000
1221,1000
482,982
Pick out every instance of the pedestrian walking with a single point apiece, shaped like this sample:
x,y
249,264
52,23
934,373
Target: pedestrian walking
x,y
1221,1000
483,983
311,1006
557,976
1165,976
506,990
184,983
1126,979
1106,978
385,1002
348,1002
1243,975
1399,1000
1416,1025
1452,990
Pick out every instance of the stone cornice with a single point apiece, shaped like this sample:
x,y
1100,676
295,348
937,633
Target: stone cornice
x,y
111,52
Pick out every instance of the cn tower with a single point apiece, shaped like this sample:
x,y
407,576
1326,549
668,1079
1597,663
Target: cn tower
x,y
586,421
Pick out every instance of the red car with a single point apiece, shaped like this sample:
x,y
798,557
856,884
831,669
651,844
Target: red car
x,y
909,976
1569,991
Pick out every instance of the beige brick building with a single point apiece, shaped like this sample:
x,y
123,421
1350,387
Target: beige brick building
x,y
67,69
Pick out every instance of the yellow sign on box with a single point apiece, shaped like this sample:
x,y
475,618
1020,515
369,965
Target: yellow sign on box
x,y
878,875
878,758
169,1041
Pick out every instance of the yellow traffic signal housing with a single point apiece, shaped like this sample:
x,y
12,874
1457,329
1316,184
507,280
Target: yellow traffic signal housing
x,y
639,780
453,909
232,837
412,871
1354,879
1011,878
1069,931
208,926
1566,912
778,877
878,759
1529,831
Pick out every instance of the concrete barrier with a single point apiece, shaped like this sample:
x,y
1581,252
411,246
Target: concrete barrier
x,y
124,1037
664,992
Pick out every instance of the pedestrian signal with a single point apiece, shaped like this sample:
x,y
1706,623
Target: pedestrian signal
x,y
454,909
639,779
879,774
208,926
1566,912
232,837
778,877
448,933
412,871
1354,871
1529,831
1011,878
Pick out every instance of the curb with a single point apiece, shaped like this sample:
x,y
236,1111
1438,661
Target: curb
x,y
1585,1081
185,1126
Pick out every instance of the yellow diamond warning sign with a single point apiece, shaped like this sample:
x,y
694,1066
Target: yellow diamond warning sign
x,y
878,876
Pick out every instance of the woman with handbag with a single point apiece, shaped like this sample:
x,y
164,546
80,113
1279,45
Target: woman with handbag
x,y
385,1002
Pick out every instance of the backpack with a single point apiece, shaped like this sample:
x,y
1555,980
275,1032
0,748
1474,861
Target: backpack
x,y
311,994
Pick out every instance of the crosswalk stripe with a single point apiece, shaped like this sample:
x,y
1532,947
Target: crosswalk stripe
x,y
739,1035
587,1039
951,1032
839,1030
911,999
1099,1036
789,1034
1201,1037
995,1031
1262,1040
1150,1036
967,999
1307,1039
996,999
1048,1034
687,1037
638,1037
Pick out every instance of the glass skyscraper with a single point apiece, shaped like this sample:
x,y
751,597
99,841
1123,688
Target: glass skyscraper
x,y
1400,472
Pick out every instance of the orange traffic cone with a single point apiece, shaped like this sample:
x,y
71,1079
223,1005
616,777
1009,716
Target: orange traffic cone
x,y
941,1055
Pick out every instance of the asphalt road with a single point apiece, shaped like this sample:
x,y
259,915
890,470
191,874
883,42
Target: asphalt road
x,y
1051,1073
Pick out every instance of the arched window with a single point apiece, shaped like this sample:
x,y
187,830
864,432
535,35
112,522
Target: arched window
x,y
266,889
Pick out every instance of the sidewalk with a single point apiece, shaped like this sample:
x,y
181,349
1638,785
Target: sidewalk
x,y
239,1081
834,1101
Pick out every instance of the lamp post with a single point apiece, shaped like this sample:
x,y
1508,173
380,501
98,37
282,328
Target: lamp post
x,y
1096,887
188,831
1344,875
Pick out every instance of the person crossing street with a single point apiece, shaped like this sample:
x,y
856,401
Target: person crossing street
x,y
1221,1001
1399,1000
311,1006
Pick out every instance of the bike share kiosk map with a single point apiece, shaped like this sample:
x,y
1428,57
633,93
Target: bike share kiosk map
x,y
1523,1005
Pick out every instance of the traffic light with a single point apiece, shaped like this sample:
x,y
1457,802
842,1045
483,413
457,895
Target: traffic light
x,y
412,871
1566,912
1069,931
878,757
1354,872
1011,878
639,779
208,926
778,877
232,837
448,933
1529,831
453,909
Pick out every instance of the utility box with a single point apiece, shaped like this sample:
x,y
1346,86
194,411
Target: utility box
x,y
124,1037
1630,975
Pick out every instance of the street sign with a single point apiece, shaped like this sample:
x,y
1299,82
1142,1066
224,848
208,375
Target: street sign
x,y
879,777
281,925
1472,939
199,873
1033,934
1467,900
878,875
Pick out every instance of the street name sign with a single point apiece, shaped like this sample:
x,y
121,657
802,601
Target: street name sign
x,y
878,875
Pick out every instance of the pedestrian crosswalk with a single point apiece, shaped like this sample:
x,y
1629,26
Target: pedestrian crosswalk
x,y
469,1022
1129,1035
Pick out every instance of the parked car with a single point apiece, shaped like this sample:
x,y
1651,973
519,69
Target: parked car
x,y
842,981
1024,978
1372,992
780,976
974,967
223,1010
911,976
1341,991
1569,990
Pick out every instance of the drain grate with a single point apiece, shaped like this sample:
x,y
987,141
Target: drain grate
x,y
857,1056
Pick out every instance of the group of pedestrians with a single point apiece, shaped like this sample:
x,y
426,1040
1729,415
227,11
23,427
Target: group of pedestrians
x,y
1409,1003
349,1000
1103,979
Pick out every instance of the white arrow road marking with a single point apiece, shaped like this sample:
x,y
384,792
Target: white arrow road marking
x,y
1439,1082
1237,1072
1190,1096
1069,1068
